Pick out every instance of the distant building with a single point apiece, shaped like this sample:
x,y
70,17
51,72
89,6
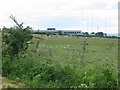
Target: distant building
x,y
57,32
50,28
72,32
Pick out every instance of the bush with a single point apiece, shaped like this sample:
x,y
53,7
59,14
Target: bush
x,y
14,42
43,73
15,39
105,78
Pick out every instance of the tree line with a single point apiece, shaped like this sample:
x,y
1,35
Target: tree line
x,y
98,34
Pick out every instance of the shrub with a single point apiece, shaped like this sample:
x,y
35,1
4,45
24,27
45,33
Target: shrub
x,y
14,42
15,39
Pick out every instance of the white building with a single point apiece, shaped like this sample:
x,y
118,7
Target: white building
x,y
56,32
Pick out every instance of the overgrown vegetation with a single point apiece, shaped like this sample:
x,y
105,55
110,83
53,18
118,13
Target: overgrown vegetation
x,y
14,42
57,61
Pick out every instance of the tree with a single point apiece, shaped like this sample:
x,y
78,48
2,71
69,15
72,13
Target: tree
x,y
15,39
60,32
99,34
49,33
92,32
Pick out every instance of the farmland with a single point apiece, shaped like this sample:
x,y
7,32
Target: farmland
x,y
59,62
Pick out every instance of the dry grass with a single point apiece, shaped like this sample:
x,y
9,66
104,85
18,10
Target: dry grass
x,y
6,83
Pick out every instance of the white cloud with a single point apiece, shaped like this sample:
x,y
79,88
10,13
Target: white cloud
x,y
39,12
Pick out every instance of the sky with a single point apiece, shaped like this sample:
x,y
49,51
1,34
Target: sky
x,y
84,15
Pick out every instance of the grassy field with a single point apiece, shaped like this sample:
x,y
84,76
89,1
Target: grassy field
x,y
68,50
59,62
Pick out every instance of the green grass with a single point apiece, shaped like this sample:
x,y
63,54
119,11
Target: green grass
x,y
65,49
59,63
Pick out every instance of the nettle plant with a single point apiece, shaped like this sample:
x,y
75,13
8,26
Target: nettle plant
x,y
15,39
